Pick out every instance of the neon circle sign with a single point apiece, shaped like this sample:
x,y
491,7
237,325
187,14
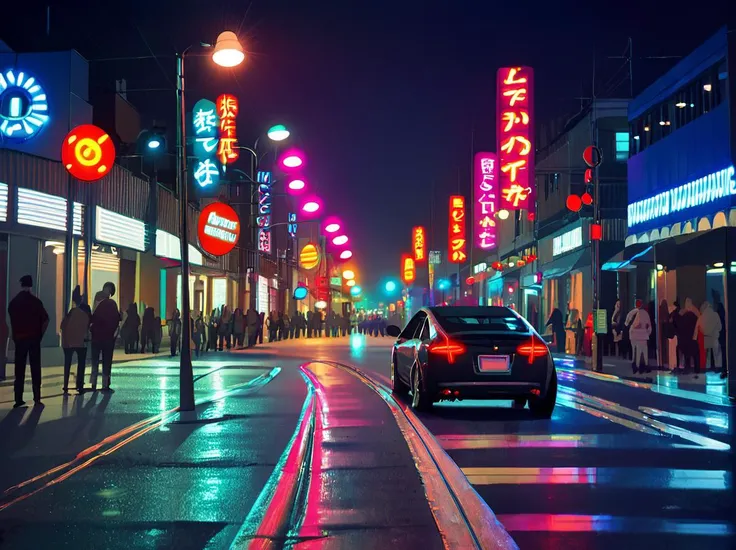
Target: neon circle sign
x,y
88,153
218,229
23,106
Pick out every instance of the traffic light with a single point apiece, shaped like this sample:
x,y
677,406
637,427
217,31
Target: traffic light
x,y
454,281
152,142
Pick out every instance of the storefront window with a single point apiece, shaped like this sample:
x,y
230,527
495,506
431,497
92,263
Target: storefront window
x,y
219,292
262,295
178,294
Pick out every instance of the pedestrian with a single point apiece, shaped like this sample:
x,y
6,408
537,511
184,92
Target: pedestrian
x,y
555,321
213,326
261,323
148,330
616,328
129,330
709,324
197,332
28,322
272,326
310,323
640,328
353,322
251,322
158,334
74,329
104,328
175,332
224,331
288,329
238,328
280,326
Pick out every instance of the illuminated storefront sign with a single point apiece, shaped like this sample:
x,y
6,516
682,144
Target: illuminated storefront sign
x,y
435,257
419,244
458,242
309,256
169,246
485,179
293,226
515,116
227,109
44,210
480,268
206,124
567,242
408,269
116,229
264,211
699,192
88,153
24,107
218,229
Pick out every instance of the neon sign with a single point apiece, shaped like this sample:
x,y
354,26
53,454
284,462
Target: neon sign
x,y
514,112
264,211
218,228
88,153
23,106
408,269
485,176
419,244
205,122
567,242
309,256
698,192
458,241
227,109
292,224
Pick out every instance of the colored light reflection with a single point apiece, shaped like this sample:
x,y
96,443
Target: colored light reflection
x,y
346,254
340,240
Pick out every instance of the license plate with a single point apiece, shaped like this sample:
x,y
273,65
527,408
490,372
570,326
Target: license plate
x,y
493,363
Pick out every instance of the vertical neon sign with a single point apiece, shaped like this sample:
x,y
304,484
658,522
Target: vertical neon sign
x,y
458,242
408,269
227,108
264,211
485,178
419,244
515,116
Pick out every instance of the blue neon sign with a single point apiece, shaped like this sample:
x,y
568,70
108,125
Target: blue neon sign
x,y
23,106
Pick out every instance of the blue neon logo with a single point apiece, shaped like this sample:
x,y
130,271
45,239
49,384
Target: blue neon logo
x,y
23,106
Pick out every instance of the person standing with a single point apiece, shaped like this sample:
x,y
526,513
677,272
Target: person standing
x,y
28,322
251,321
175,332
558,329
640,329
129,330
238,328
104,329
225,328
148,330
197,332
74,329
261,322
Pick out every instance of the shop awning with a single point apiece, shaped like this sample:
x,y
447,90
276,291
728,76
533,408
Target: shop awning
x,y
566,264
631,256
702,248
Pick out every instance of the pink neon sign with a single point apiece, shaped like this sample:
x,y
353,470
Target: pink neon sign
x,y
485,179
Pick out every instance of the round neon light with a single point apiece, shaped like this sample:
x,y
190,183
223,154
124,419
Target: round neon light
x,y
300,292
332,228
321,304
340,240
297,185
292,159
88,153
348,274
390,286
278,133
356,290
23,106
346,255
218,229
351,282
309,256
503,214
310,207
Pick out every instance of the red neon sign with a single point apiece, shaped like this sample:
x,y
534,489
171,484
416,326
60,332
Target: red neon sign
x,y
485,179
227,109
419,244
88,153
515,115
408,269
458,242
218,229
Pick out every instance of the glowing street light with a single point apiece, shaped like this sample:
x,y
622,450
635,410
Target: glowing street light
x,y
340,240
351,282
332,225
154,143
355,291
390,286
346,254
443,284
228,50
311,206
279,132
291,159
348,274
297,185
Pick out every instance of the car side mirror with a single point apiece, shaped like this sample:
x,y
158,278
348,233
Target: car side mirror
x,y
393,330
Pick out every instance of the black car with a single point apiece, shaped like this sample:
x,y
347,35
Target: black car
x,y
449,353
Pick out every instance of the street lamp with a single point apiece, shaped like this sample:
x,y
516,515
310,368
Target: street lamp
x,y
278,133
228,53
390,287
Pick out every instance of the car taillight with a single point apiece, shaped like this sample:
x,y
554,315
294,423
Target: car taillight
x,y
532,349
448,348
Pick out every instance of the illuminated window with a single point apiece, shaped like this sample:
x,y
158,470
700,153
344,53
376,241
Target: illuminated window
x,y
622,146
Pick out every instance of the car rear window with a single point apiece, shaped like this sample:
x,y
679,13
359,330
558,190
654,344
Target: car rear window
x,y
485,323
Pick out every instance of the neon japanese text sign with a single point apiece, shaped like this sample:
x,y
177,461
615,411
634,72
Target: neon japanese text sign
x,y
408,269
515,116
227,110
264,211
205,124
419,244
458,249
485,180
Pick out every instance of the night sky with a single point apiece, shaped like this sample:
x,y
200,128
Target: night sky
x,y
387,98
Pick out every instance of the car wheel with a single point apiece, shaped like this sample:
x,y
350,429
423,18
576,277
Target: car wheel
x,y
397,384
542,407
420,400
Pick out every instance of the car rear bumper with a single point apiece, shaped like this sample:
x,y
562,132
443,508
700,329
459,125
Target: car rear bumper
x,y
487,390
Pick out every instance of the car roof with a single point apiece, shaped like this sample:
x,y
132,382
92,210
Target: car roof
x,y
469,311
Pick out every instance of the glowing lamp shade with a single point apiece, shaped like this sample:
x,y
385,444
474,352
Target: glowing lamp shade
x,y
154,143
300,292
278,133
311,206
351,282
228,50
332,225
390,286
321,304
348,274
503,214
340,240
355,291
346,254
296,185
291,159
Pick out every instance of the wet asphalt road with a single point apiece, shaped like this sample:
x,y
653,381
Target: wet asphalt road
x,y
619,465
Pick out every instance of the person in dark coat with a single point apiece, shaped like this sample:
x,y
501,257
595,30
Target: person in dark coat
x,y
74,329
261,322
148,330
175,332
213,327
104,329
558,329
238,328
28,322
251,321
129,330
158,334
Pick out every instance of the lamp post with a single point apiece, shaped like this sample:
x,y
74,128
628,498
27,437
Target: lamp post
x,y
228,53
